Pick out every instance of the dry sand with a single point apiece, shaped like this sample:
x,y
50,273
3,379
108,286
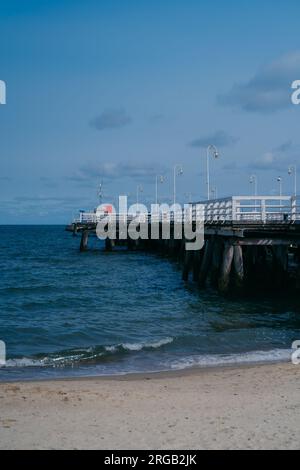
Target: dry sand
x,y
229,408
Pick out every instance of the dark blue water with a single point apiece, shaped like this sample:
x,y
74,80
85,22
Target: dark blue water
x,y
66,313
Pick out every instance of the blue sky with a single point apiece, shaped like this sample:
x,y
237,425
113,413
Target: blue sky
x,y
121,90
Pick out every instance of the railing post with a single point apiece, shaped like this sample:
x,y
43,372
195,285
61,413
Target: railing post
x,y
263,211
205,214
233,209
238,210
294,208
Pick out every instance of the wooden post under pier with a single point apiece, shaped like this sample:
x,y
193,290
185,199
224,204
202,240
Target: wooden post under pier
x,y
216,262
280,264
224,279
238,263
84,240
187,264
196,264
206,260
109,244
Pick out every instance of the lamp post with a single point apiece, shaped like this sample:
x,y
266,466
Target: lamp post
x,y
211,149
139,189
214,192
100,192
253,180
189,196
161,179
279,179
293,170
177,171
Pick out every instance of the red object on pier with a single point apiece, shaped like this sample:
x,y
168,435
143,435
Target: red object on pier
x,y
108,208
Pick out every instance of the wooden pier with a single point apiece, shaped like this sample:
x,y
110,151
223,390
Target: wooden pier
x,y
249,242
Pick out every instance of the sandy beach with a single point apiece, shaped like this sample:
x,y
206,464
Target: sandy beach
x,y
254,407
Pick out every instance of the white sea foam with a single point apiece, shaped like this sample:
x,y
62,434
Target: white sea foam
x,y
210,360
25,362
205,360
49,361
111,348
139,346
73,358
150,344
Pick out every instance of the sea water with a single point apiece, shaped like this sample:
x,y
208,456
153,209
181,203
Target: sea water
x,y
65,313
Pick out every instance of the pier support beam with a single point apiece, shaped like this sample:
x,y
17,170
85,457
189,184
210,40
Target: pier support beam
x,y
109,244
216,262
206,260
172,247
238,263
281,256
84,240
187,264
181,252
280,264
196,265
224,279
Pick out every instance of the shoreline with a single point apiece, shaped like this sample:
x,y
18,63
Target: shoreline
x,y
284,357
249,406
160,374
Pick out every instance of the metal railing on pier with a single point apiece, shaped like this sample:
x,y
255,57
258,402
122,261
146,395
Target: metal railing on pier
x,y
260,209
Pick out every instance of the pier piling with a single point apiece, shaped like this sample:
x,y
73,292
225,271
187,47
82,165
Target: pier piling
x,y
84,240
224,279
206,260
238,266
187,264
216,262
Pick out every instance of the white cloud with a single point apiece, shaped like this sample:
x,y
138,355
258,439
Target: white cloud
x,y
268,90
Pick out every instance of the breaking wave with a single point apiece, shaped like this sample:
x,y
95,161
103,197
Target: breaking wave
x,y
211,360
85,355
104,358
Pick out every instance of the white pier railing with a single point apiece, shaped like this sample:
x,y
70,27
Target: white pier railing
x,y
262,209
252,209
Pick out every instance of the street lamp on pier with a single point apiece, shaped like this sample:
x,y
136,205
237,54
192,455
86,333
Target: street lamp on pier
x,y
253,180
177,171
158,179
139,189
293,171
214,192
279,179
189,196
211,149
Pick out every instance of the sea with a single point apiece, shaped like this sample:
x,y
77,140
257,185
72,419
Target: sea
x,y
68,314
